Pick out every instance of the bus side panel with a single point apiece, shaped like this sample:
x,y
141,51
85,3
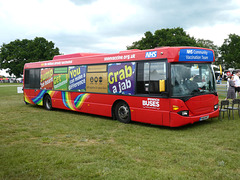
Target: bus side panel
x,y
146,110
149,116
83,102
143,109
166,118
98,109
151,110
99,104
29,95
57,101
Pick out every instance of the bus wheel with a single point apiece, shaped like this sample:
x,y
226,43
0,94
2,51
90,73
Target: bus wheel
x,y
122,112
47,102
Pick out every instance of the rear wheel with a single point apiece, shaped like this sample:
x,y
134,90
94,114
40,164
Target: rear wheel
x,y
47,102
122,112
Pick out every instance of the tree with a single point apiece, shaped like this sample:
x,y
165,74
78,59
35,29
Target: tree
x,y
172,37
14,55
164,37
230,53
209,44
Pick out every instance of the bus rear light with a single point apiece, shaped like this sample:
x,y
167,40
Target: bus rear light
x,y
183,113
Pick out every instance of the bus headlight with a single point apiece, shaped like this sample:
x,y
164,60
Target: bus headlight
x,y
183,113
215,107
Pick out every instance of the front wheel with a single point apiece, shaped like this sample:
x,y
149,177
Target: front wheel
x,y
47,102
122,112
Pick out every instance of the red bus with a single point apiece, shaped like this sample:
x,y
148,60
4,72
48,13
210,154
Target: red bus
x,y
169,86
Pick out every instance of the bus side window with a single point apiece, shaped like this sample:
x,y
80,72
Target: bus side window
x,y
142,78
157,72
36,79
32,78
148,76
26,78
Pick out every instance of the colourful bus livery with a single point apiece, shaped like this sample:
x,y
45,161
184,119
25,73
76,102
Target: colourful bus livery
x,y
169,86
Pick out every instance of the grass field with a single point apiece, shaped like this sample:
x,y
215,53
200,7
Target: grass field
x,y
40,144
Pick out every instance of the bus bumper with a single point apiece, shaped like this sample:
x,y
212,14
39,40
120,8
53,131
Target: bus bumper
x,y
177,120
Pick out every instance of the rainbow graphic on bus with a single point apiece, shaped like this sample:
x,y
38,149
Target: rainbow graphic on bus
x,y
75,104
27,99
39,98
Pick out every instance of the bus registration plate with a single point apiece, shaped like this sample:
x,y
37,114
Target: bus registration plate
x,y
204,118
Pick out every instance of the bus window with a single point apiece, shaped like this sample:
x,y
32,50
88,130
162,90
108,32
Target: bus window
x,y
32,78
192,79
157,72
27,78
148,77
143,78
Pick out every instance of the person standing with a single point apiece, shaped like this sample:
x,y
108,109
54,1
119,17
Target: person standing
x,y
237,82
231,89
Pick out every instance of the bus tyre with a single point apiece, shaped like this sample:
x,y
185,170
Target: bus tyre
x,y
47,102
122,112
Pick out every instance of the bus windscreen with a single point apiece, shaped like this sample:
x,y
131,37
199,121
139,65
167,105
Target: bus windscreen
x,y
192,79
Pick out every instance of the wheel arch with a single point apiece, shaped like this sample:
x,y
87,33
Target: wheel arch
x,y
43,98
47,105
114,106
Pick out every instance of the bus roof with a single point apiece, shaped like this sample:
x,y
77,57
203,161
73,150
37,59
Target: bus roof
x,y
172,54
76,55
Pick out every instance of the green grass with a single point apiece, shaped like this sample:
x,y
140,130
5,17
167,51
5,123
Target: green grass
x,y
40,144
10,84
8,89
222,90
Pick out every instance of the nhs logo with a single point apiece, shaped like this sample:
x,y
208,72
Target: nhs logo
x,y
189,51
151,54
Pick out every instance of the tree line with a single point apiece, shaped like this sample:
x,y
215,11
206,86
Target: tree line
x,y
15,54
228,54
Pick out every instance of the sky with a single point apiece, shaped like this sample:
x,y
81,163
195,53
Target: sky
x,y
108,26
